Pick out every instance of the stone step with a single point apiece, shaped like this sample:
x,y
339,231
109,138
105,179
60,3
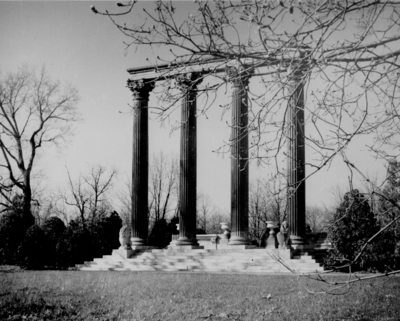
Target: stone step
x,y
240,260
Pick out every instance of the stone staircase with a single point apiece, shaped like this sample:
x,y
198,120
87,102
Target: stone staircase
x,y
256,260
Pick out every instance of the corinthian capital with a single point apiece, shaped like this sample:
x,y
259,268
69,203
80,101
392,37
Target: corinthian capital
x,y
238,76
188,81
140,89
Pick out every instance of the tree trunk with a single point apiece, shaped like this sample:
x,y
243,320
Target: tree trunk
x,y
27,216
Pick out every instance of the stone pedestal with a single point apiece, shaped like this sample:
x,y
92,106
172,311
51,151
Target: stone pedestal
x,y
226,234
272,242
140,160
124,253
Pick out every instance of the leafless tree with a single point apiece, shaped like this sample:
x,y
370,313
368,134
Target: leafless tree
x,y
346,51
163,190
267,203
205,212
214,220
89,194
35,111
125,200
164,173
316,216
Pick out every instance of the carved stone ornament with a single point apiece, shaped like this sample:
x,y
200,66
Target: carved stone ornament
x,y
284,231
125,237
140,88
238,75
188,81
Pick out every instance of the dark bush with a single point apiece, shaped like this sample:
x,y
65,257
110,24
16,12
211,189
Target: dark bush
x,y
84,241
354,224
53,229
32,252
160,235
172,225
105,234
76,245
12,232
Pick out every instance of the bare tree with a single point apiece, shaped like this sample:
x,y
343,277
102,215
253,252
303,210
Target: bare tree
x,y
316,217
205,211
345,48
89,194
35,111
267,203
125,200
214,220
163,190
164,173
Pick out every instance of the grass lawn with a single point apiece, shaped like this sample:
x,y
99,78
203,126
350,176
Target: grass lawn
x,y
75,295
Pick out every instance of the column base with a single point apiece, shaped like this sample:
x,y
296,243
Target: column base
x,y
137,241
299,243
297,240
184,241
143,247
238,240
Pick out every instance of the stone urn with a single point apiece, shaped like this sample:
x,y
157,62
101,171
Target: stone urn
x,y
226,234
271,241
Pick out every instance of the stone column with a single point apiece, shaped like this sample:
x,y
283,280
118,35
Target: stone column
x,y
188,160
239,157
296,191
140,161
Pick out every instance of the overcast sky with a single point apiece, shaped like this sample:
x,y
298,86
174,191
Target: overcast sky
x,y
87,51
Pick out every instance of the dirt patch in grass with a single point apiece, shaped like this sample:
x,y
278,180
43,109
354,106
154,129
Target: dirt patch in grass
x,y
73,295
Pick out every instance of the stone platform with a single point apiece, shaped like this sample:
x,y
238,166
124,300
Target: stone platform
x,y
256,260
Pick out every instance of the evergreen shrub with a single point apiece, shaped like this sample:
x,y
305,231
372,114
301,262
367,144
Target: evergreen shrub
x,y
353,225
34,248
12,232
53,229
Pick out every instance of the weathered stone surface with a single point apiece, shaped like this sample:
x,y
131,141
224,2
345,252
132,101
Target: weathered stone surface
x,y
124,237
237,259
140,159
188,161
295,135
239,157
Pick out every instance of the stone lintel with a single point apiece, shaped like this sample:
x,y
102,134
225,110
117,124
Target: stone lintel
x,y
212,65
168,71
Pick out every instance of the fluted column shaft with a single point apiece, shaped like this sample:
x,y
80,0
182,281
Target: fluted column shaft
x,y
188,160
140,161
239,158
296,192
